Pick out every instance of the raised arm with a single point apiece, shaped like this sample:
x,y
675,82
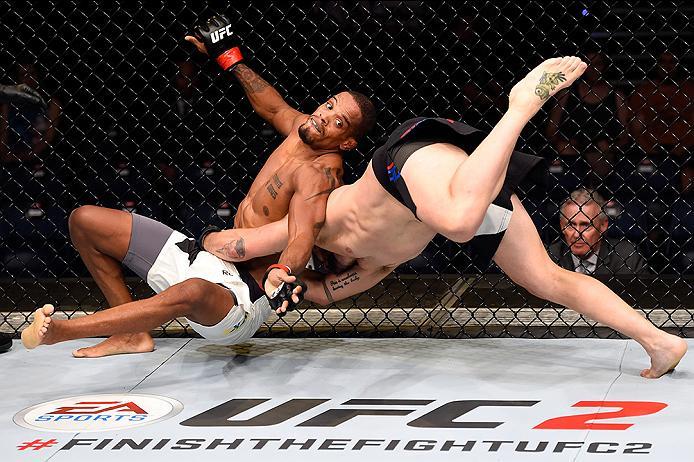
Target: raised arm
x,y
266,101
215,39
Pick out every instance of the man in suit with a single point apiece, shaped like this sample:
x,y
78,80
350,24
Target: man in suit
x,y
584,247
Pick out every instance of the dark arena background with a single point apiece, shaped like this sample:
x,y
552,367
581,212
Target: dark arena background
x,y
444,359
138,121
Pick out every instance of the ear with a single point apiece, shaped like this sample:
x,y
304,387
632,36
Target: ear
x,y
348,144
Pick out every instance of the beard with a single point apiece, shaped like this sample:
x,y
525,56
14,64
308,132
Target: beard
x,y
303,133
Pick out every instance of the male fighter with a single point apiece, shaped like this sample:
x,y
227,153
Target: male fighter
x,y
423,182
222,302
439,176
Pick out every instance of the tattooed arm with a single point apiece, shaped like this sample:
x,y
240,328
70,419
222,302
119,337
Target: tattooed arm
x,y
266,101
326,289
237,245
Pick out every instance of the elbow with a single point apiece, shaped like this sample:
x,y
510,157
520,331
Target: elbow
x,y
320,301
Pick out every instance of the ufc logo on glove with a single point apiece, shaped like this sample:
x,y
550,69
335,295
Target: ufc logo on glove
x,y
219,34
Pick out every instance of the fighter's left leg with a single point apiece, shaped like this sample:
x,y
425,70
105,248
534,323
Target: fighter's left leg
x,y
524,259
102,238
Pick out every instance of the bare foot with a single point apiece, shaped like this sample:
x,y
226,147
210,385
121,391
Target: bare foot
x,y
35,334
118,344
665,357
528,95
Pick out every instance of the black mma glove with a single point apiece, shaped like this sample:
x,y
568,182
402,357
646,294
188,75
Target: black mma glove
x,y
22,95
208,230
219,41
285,292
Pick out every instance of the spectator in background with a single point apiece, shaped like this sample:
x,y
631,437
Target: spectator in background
x,y
186,82
26,132
182,135
681,237
584,248
187,125
663,110
20,95
598,121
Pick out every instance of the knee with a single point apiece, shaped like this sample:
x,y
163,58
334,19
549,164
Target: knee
x,y
467,218
460,234
191,292
546,283
81,220
460,223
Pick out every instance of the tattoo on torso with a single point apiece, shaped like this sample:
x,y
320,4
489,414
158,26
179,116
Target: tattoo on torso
x,y
271,190
547,83
275,183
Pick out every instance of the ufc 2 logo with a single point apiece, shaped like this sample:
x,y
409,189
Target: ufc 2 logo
x,y
219,34
446,416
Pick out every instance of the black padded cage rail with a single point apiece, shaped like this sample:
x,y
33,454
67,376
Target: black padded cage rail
x,y
138,121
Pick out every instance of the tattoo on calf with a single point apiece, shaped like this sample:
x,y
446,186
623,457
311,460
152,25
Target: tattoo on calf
x,y
234,249
547,83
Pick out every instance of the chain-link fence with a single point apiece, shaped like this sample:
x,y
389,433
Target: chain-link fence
x,y
139,122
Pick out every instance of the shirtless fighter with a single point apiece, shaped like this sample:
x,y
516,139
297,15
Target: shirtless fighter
x,y
439,176
222,302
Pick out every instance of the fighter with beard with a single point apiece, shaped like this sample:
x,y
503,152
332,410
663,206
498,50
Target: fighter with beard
x,y
223,302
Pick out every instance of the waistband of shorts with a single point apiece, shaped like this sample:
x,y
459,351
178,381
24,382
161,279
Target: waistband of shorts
x,y
254,290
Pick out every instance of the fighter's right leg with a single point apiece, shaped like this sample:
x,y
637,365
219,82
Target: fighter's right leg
x,y
201,301
102,236
453,195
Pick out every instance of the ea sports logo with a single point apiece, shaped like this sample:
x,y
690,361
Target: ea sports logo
x,y
94,413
